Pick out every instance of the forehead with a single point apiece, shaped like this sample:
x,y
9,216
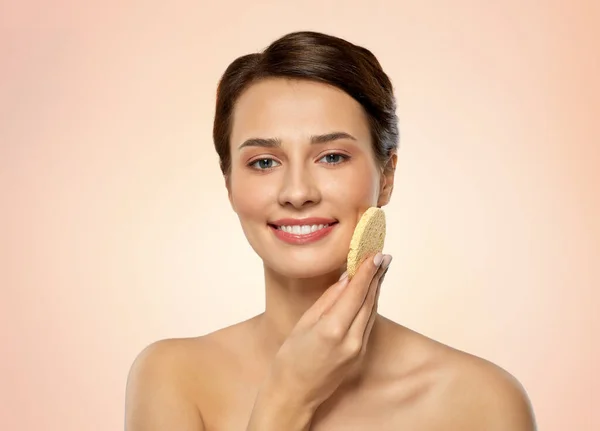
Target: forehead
x,y
289,109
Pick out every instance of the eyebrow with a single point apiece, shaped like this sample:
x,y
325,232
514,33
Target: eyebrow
x,y
276,143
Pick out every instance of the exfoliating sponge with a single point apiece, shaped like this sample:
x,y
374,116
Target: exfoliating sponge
x,y
368,238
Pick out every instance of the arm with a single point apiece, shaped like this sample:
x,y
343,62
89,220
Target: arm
x,y
493,400
155,398
274,409
509,408
326,344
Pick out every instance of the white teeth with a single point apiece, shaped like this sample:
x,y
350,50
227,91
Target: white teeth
x,y
303,230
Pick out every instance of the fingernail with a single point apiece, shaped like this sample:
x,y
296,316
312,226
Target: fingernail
x,y
378,259
387,261
344,275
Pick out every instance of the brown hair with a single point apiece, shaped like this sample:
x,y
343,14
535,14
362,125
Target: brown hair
x,y
316,57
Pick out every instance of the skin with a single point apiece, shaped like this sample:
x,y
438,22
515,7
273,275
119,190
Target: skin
x,y
404,381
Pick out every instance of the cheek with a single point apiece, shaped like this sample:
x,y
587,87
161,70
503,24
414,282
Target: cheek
x,y
358,187
252,197
363,190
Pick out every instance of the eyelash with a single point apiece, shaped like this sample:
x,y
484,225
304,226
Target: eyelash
x,y
254,162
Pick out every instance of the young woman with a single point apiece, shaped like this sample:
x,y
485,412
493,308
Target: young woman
x,y
307,134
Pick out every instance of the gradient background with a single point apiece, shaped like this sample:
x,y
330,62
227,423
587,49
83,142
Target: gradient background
x,y
115,225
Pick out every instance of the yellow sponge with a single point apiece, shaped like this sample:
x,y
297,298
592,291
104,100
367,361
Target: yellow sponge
x,y
368,238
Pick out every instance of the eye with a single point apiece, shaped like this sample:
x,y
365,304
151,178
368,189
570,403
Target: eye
x,y
263,164
334,158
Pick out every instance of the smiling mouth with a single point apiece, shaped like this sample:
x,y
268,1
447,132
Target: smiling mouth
x,y
302,234
302,229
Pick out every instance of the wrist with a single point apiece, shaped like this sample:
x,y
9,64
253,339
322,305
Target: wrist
x,y
277,408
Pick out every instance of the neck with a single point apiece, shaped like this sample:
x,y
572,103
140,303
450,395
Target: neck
x,y
286,300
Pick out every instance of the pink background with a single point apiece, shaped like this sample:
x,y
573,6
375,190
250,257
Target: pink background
x,y
115,225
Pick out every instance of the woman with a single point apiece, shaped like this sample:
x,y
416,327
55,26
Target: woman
x,y
306,132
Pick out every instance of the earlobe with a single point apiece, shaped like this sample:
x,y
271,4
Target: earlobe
x,y
385,195
387,180
384,192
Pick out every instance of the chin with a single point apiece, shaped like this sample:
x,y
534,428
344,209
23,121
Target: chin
x,y
308,266
302,272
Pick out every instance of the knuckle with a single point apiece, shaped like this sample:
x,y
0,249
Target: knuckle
x,y
353,347
332,332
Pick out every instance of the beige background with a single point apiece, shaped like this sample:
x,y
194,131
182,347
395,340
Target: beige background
x,y
116,230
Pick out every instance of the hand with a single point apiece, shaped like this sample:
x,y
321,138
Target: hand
x,y
330,339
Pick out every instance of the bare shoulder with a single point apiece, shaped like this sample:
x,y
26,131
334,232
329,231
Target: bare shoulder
x,y
486,395
454,390
178,383
160,384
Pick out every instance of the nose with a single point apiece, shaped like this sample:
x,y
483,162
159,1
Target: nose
x,y
298,188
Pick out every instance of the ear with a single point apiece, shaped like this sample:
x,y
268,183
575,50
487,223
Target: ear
x,y
387,180
227,179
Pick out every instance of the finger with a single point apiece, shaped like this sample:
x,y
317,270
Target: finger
x,y
324,303
373,315
359,325
344,310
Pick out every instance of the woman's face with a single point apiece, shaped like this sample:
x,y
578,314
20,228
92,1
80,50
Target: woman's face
x,y
282,173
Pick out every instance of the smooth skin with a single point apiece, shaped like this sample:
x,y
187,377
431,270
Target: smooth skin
x,y
320,356
334,334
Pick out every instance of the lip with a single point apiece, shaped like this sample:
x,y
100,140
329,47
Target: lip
x,y
303,221
294,239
